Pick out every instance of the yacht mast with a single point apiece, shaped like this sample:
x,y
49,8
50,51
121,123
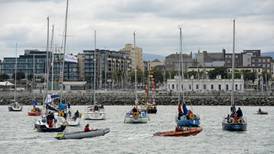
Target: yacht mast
x,y
135,69
15,74
94,70
52,56
181,66
47,61
64,49
233,65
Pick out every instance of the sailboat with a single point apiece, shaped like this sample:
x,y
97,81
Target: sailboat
x,y
95,111
150,103
136,115
234,121
15,106
187,122
50,121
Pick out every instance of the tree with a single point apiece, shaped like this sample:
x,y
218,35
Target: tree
x,y
19,75
30,77
218,71
4,77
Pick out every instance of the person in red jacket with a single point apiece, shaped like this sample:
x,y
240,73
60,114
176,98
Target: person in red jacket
x,y
87,129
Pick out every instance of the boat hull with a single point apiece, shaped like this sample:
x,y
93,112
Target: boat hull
x,y
188,123
13,109
34,113
140,118
73,123
81,134
44,128
262,112
234,126
95,115
190,131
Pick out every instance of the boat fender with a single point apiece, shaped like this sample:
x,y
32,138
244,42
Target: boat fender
x,y
135,114
239,120
191,116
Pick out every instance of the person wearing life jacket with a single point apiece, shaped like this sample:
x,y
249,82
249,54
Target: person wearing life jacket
x,y
180,110
50,119
87,129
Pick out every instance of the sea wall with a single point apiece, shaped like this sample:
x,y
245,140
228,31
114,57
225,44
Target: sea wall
x,y
127,98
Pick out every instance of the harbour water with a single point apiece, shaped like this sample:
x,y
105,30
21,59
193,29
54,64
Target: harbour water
x,y
18,136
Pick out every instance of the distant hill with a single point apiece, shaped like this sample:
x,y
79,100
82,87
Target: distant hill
x,y
148,56
271,54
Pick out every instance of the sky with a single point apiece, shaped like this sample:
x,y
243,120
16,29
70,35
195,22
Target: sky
x,y
206,24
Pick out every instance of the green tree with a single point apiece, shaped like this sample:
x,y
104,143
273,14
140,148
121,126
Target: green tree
x,y
19,75
4,77
218,71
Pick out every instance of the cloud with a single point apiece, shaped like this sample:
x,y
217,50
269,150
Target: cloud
x,y
207,25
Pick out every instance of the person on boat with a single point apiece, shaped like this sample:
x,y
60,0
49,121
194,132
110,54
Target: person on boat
x,y
101,106
185,110
87,129
239,113
134,109
76,115
233,111
50,119
180,110
96,108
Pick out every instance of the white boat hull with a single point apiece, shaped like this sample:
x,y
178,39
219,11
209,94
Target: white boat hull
x,y
95,115
136,120
72,122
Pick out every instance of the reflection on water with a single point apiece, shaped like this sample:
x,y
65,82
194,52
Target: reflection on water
x,y
18,136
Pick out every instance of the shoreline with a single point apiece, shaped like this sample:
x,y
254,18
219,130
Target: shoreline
x,y
161,99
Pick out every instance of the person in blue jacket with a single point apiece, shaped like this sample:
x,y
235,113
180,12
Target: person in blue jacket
x,y
185,110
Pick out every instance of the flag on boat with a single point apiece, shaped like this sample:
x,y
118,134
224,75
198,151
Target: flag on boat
x,y
70,58
50,98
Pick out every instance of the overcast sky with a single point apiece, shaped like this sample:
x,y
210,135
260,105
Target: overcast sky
x,y
207,24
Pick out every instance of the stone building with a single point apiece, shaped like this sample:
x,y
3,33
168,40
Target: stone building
x,y
136,56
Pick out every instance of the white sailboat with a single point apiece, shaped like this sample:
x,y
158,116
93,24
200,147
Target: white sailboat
x,y
234,122
15,106
137,114
95,112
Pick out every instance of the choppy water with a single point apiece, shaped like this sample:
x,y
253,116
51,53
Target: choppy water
x,y
18,136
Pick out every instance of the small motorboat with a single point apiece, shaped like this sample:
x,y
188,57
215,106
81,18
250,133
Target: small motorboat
x,y
136,117
234,125
15,107
95,112
41,125
82,134
261,112
35,112
185,131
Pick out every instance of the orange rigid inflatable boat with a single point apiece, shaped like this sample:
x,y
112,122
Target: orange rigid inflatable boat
x,y
186,131
35,113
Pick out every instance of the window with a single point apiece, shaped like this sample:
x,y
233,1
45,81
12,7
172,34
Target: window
x,y
189,87
172,86
240,87
212,87
182,86
220,87
197,86
204,86
226,87
236,87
